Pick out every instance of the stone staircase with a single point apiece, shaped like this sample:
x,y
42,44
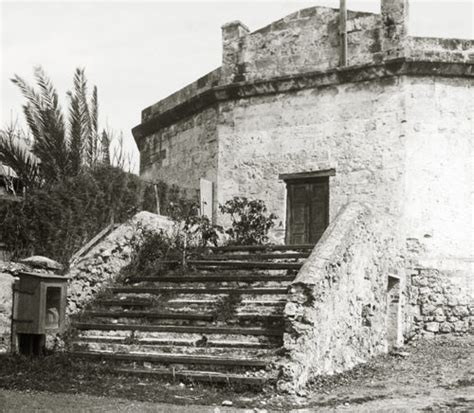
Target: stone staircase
x,y
220,322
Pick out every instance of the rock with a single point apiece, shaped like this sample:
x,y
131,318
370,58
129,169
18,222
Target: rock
x,y
460,326
446,327
427,309
40,262
227,403
432,327
461,311
399,353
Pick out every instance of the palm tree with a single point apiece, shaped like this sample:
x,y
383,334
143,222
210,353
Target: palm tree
x,y
60,148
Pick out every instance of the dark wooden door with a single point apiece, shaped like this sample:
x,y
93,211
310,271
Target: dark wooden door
x,y
308,211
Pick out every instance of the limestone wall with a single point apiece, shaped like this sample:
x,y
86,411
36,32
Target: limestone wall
x,y
337,312
354,128
102,264
6,309
438,49
182,153
305,41
438,200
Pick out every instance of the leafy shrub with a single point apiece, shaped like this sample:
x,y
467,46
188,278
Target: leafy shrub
x,y
149,249
250,221
57,220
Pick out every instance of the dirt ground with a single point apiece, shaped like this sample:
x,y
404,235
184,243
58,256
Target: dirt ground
x,y
429,376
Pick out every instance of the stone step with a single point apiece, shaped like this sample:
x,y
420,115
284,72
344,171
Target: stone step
x,y
298,247
256,256
188,360
213,278
198,291
185,304
182,318
256,331
201,348
199,376
245,264
194,337
179,342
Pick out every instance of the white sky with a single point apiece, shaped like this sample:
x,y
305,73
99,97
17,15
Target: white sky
x,y
140,52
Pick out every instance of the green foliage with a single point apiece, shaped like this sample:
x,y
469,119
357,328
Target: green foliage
x,y
149,249
57,221
61,146
250,221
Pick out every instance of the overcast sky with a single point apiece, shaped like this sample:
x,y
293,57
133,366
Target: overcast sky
x,y
139,52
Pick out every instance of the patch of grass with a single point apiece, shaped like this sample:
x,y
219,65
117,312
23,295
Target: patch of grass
x,y
61,373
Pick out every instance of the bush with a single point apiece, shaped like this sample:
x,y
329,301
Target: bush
x,y
250,221
150,248
56,221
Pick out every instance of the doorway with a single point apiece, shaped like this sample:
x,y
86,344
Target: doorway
x,y
307,209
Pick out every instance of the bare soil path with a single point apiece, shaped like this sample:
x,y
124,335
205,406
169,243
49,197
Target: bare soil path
x,y
430,376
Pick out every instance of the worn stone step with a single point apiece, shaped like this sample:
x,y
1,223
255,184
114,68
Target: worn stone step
x,y
214,278
177,315
256,256
245,264
183,359
200,376
258,331
182,318
180,342
176,305
178,337
297,247
137,346
198,291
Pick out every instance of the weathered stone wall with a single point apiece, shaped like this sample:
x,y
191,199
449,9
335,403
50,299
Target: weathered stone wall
x,y
6,310
102,264
438,49
182,153
337,310
305,41
353,128
439,303
188,92
438,199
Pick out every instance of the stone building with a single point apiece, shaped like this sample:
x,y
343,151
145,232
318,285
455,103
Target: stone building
x,y
287,120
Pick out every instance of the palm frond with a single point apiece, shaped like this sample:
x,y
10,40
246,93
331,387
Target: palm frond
x,y
34,105
105,148
49,94
76,143
18,157
44,117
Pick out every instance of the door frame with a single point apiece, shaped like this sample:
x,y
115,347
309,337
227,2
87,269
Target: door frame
x,y
305,178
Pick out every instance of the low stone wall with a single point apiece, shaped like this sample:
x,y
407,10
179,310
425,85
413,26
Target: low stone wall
x,y
439,304
337,310
102,264
6,308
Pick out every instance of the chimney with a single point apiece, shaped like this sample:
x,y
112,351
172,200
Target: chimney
x,y
233,34
395,27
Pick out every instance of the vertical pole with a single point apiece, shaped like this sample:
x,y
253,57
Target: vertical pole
x,y
157,198
343,32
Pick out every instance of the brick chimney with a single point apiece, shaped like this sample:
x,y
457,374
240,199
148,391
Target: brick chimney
x,y
395,27
233,35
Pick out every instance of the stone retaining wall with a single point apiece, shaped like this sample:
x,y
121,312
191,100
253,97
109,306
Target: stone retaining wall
x,y
337,310
439,303
102,264
6,308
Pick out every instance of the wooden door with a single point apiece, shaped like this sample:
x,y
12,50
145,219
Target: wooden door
x,y
308,211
